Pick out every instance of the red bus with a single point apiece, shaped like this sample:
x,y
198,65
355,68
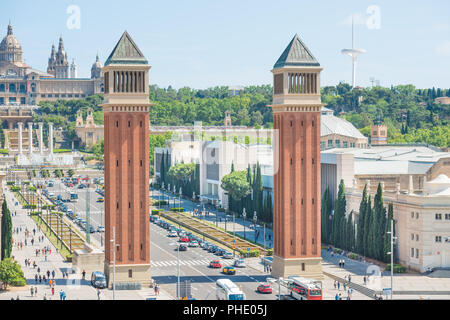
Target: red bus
x,y
305,289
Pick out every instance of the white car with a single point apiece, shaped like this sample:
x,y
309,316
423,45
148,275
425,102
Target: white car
x,y
173,234
101,229
240,263
227,255
193,243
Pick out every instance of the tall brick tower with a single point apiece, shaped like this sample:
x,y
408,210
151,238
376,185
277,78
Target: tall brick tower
x,y
126,112
296,117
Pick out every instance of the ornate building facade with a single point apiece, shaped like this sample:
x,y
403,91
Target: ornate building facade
x,y
21,85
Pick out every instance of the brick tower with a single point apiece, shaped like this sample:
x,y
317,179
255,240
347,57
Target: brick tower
x,y
296,120
126,112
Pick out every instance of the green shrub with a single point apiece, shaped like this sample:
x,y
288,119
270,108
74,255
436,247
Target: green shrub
x,y
69,258
19,282
4,151
160,203
249,254
337,250
353,256
397,268
14,188
29,206
155,211
10,183
177,209
36,213
270,252
62,150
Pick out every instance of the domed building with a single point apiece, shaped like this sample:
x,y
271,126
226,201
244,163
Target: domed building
x,y
21,86
96,70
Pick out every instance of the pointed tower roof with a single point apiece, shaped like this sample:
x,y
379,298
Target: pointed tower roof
x,y
296,54
126,52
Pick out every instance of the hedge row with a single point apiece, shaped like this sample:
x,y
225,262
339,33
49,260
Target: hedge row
x,y
160,203
177,209
397,268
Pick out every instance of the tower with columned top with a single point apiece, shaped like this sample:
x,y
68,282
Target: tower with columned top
x,y
126,131
296,119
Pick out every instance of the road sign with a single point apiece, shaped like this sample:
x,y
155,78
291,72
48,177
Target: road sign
x,y
234,246
248,249
387,291
234,240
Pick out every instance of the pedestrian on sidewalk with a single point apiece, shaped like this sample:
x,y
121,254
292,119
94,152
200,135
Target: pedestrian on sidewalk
x,y
339,285
84,274
34,264
40,279
31,290
98,294
349,278
365,280
53,291
48,274
53,274
335,284
336,297
35,278
35,291
39,270
345,286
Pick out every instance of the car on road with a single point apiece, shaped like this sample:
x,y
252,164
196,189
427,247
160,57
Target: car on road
x,y
173,234
91,229
264,288
239,263
182,247
213,248
100,229
81,186
229,270
215,264
219,252
227,255
184,239
193,243
98,280
100,199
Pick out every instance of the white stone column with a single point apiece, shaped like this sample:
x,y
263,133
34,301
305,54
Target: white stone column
x,y
20,124
410,185
50,138
30,137
41,142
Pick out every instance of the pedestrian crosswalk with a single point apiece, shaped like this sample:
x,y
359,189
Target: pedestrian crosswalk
x,y
171,263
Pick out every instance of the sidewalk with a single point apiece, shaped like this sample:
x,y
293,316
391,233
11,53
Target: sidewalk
x,y
75,287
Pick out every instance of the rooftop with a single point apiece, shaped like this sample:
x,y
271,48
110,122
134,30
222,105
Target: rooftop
x,y
296,54
126,52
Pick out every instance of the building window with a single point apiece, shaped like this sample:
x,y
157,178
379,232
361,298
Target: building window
x,y
412,252
412,215
303,267
130,273
22,101
417,215
438,216
2,101
412,236
322,145
42,95
12,87
417,253
345,144
330,143
338,143
438,239
57,95
447,216
2,87
417,237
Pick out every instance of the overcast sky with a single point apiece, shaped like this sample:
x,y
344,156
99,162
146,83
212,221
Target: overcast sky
x,y
204,43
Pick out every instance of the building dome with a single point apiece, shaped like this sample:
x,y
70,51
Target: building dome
x,y
10,42
96,69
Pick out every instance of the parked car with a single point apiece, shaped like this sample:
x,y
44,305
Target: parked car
x,y
182,247
229,270
100,229
193,243
219,252
215,264
172,234
212,249
100,199
91,229
264,288
184,239
239,263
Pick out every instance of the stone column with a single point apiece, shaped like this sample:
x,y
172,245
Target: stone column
x,y
410,185
30,137
20,124
41,142
50,138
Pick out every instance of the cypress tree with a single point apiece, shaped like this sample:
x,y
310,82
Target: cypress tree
x,y
339,216
258,191
350,232
379,223
6,239
360,226
162,170
367,227
324,216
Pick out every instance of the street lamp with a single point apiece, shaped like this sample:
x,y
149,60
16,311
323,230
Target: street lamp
x,y
180,197
113,240
392,256
244,214
255,218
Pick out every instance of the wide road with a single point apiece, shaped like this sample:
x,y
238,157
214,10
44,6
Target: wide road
x,y
193,262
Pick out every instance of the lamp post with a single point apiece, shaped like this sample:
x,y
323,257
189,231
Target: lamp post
x,y
180,197
113,240
255,219
392,256
234,235
243,215
159,198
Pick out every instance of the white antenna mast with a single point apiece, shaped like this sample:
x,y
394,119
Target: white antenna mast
x,y
353,53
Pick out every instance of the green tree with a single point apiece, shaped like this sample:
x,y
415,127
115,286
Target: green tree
x,y
339,216
325,216
10,273
379,224
236,184
6,239
367,228
387,238
360,224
